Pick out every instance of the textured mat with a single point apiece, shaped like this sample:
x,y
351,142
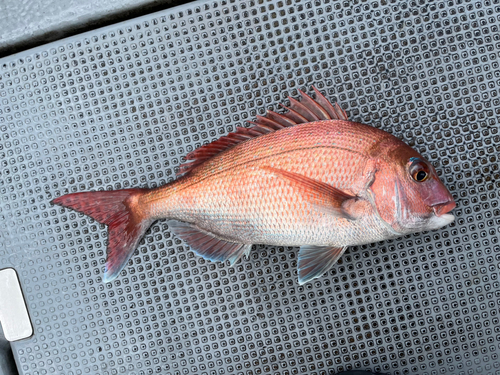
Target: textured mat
x,y
121,106
28,23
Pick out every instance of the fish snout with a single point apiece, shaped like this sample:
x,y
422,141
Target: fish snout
x,y
444,207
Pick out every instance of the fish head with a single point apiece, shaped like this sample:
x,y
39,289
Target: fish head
x,y
407,192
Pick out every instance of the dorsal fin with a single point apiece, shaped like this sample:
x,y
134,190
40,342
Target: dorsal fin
x,y
307,110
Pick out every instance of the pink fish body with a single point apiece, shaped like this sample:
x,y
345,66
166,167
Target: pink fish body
x,y
307,178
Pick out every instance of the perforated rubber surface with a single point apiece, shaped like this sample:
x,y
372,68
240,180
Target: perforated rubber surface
x,y
121,106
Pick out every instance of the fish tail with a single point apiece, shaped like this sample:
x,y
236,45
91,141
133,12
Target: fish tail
x,y
125,219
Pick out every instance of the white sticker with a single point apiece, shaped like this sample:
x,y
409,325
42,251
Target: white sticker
x,y
14,316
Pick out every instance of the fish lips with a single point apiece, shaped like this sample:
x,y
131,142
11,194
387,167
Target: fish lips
x,y
436,196
441,216
443,207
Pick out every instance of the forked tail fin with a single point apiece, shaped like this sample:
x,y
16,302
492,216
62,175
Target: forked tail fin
x,y
126,222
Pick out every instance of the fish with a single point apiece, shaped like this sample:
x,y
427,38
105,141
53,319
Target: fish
x,y
307,177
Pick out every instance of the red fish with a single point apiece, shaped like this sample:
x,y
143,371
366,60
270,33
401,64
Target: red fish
x,y
307,177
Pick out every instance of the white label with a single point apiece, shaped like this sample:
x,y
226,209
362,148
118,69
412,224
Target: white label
x,y
14,316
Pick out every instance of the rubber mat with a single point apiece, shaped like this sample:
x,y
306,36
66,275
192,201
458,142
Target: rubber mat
x,y
121,106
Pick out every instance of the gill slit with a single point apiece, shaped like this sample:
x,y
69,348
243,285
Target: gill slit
x,y
397,201
371,199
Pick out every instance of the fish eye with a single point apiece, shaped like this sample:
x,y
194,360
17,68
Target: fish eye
x,y
419,170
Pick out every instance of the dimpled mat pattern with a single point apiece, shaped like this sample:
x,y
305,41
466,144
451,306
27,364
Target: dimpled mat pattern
x,y
121,107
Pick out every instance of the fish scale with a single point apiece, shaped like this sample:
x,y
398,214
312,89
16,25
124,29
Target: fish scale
x,y
273,212
308,178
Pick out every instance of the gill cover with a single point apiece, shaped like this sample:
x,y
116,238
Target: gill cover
x,y
407,193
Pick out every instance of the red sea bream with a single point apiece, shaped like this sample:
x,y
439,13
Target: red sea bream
x,y
308,177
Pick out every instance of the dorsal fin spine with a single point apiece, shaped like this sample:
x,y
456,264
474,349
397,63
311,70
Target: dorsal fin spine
x,y
294,115
269,122
303,110
283,120
318,110
322,101
262,127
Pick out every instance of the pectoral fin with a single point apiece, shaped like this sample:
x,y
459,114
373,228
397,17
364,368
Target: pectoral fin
x,y
314,261
208,245
323,197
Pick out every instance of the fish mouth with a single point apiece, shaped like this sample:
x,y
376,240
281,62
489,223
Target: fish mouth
x,y
443,208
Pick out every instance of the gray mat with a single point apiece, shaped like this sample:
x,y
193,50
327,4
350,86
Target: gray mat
x,y
7,362
121,106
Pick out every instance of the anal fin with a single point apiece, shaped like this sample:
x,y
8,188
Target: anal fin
x,y
208,245
314,261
